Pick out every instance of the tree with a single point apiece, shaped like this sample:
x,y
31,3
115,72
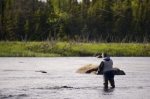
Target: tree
x,y
98,20
122,19
1,18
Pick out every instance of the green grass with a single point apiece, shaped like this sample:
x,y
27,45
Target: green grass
x,y
53,49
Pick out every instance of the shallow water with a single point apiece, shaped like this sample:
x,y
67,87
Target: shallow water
x,y
19,79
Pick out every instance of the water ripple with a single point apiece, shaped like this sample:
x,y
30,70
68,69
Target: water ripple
x,y
19,96
65,87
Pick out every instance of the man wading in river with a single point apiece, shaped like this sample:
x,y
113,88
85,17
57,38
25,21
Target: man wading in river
x,y
106,67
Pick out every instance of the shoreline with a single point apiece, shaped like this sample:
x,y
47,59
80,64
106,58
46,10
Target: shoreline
x,y
72,49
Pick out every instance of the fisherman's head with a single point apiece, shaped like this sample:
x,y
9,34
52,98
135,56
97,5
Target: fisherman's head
x,y
103,55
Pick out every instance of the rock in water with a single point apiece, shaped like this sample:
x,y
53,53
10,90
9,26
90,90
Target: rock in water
x,y
41,71
117,71
88,69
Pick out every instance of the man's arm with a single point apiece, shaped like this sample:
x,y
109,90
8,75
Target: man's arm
x,y
100,68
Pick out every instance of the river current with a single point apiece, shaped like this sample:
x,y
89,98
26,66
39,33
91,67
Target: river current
x,y
21,78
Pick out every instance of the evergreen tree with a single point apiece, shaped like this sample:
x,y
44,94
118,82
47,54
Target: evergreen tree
x,y
123,19
98,20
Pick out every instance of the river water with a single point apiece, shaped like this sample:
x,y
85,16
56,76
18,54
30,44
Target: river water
x,y
19,79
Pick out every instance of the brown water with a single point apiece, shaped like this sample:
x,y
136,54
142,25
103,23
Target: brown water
x,y
18,79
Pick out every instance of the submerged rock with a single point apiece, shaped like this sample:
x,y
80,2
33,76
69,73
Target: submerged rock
x,y
92,69
41,71
117,71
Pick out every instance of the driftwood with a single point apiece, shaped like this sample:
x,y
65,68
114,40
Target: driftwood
x,y
88,69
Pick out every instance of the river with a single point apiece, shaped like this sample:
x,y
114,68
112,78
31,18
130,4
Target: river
x,y
20,79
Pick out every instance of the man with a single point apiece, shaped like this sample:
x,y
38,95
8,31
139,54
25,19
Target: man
x,y
106,68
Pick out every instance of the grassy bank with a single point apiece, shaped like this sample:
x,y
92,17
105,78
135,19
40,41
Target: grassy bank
x,y
52,49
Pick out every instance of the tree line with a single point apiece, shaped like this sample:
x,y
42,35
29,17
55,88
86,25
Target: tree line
x,y
65,20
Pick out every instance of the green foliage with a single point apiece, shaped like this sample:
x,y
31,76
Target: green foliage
x,y
68,20
52,48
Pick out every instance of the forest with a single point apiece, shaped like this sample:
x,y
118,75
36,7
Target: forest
x,y
70,20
